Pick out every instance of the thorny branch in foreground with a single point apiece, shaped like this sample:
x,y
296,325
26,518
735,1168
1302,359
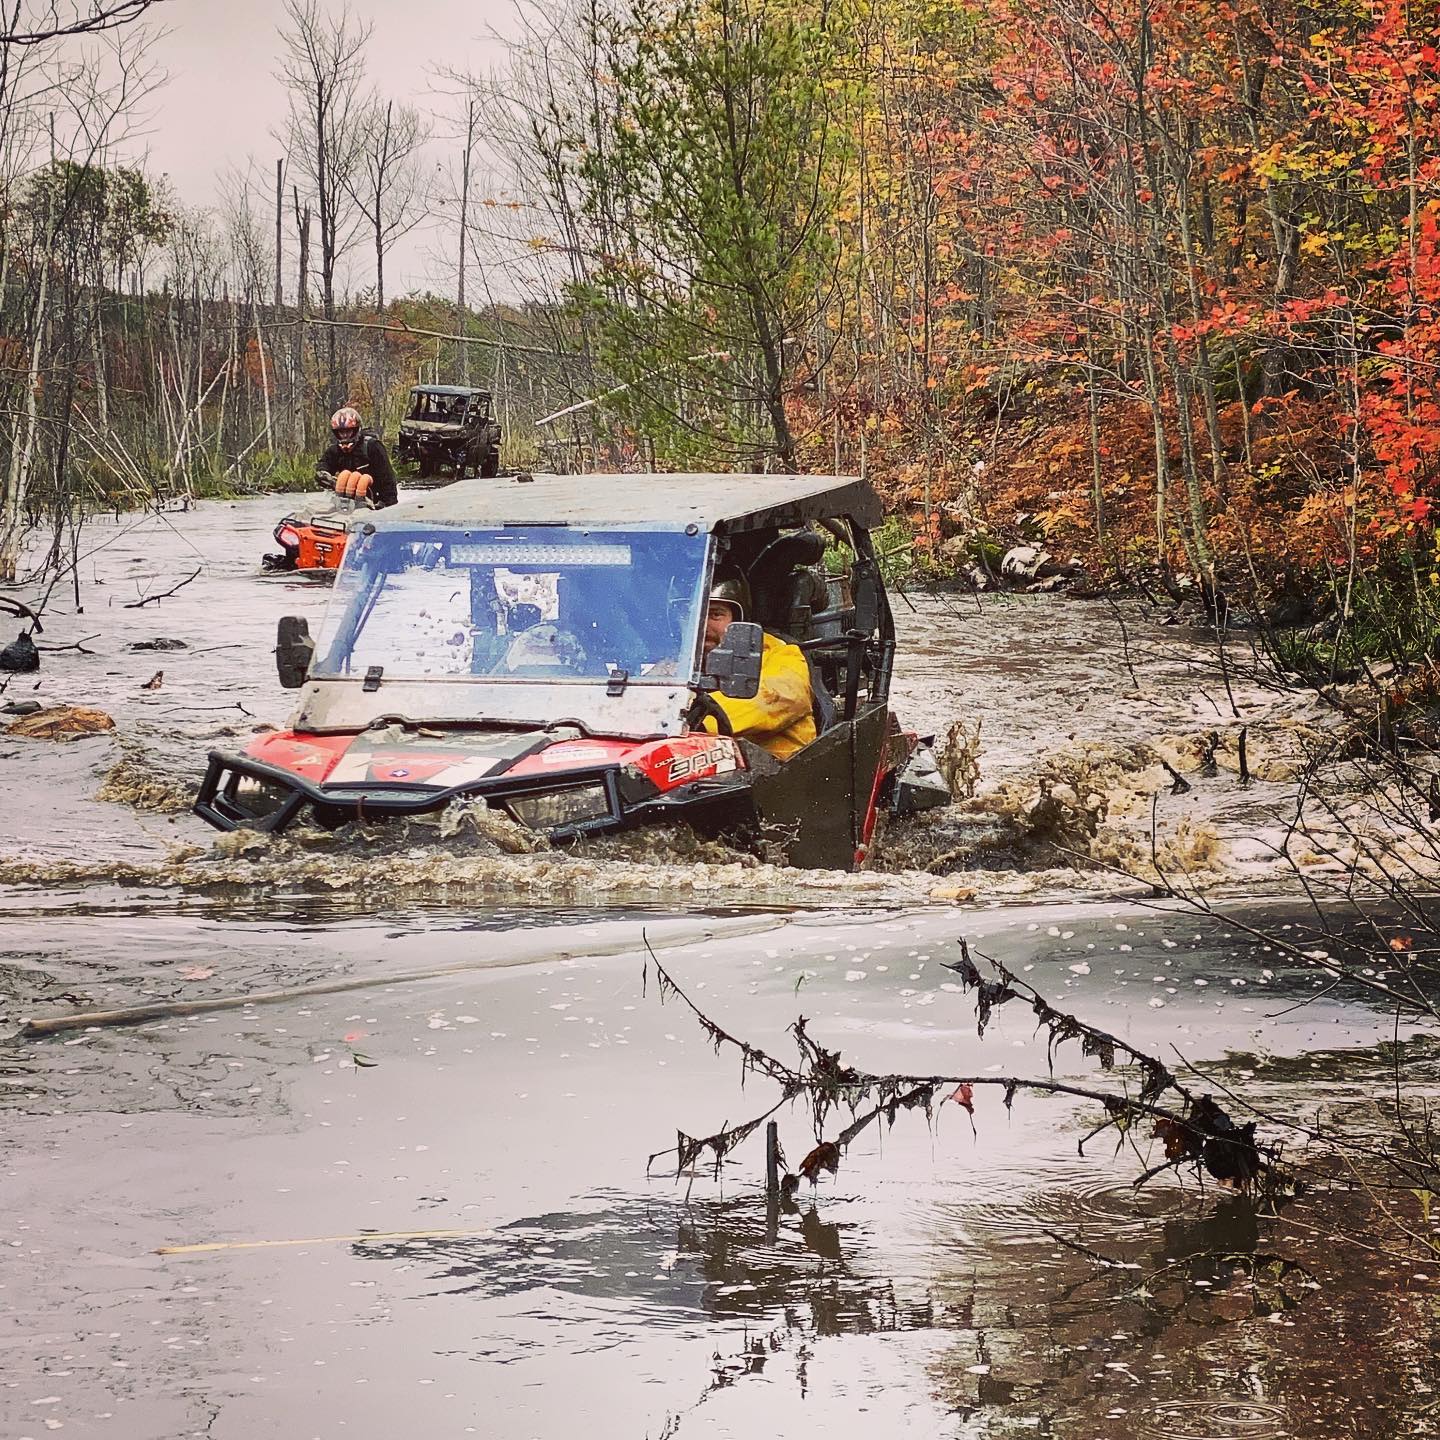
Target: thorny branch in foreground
x,y
1195,1131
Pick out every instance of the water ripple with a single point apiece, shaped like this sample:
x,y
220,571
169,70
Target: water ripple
x,y
1214,1420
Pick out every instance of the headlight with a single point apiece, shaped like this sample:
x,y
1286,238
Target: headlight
x,y
561,807
287,535
258,797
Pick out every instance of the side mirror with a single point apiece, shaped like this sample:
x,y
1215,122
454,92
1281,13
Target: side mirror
x,y
734,664
294,649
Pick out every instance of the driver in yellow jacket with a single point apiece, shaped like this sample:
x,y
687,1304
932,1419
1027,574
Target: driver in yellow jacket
x,y
781,717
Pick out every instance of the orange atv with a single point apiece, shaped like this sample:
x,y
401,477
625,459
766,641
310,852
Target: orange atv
x,y
312,542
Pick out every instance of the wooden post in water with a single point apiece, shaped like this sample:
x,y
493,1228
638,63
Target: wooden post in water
x,y
772,1182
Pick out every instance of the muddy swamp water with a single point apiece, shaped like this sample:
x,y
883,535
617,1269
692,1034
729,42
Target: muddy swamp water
x,y
414,1198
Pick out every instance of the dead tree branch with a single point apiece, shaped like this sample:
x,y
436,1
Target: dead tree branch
x,y
1201,1134
165,594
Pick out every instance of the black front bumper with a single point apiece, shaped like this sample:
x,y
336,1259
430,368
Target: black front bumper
x,y
629,801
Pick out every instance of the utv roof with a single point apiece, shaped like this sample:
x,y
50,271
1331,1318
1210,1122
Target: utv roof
x,y
447,390
726,502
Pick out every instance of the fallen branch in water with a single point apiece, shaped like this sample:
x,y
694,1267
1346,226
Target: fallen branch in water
x,y
19,610
164,594
365,1237
1199,1134
171,1009
73,645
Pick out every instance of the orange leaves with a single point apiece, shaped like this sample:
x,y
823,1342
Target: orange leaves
x,y
825,1156
1179,1140
1059,257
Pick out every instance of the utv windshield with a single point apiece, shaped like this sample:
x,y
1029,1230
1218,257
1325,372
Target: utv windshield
x,y
520,603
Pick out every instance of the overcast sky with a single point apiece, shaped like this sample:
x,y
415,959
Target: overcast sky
x,y
222,102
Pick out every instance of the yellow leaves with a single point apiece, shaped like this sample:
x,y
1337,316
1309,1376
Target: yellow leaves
x,y
1315,242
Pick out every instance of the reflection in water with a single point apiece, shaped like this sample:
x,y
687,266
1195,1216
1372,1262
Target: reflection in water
x,y
675,1264
1217,1323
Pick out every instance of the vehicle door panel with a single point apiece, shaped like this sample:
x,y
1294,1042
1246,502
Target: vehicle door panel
x,y
814,805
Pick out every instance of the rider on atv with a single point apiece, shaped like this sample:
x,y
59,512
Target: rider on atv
x,y
355,448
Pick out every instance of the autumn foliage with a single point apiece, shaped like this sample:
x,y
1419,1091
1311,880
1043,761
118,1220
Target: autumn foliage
x,y
1158,281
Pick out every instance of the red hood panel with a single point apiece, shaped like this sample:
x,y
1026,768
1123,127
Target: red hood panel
x,y
462,757
310,756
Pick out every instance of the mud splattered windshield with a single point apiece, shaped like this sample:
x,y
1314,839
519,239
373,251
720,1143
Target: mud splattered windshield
x,y
531,603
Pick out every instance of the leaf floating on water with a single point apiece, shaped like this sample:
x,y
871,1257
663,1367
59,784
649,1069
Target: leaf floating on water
x,y
825,1156
155,681
196,972
363,1061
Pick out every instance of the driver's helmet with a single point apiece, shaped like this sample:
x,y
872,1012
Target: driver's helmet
x,y
345,426
734,592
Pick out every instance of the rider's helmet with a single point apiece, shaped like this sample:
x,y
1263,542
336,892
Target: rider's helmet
x,y
734,592
345,425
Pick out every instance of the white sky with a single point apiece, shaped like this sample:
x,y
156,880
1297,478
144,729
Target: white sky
x,y
222,101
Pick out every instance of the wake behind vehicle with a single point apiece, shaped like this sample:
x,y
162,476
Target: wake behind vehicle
x,y
450,428
536,646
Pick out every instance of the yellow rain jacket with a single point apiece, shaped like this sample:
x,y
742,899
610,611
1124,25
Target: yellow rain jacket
x,y
780,717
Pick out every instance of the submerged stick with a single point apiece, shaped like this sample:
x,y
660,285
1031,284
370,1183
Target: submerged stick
x,y
169,1009
368,1237
164,595
772,1162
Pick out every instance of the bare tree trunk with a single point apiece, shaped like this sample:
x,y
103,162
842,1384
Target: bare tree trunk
x,y
460,311
302,220
23,454
264,372
97,353
279,236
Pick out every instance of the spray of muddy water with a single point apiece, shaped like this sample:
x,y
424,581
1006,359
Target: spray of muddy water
x,y
1055,723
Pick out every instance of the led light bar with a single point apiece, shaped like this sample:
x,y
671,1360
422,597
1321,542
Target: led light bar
x,y
497,552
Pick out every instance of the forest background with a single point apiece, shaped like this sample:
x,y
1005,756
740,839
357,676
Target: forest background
x,y
1153,285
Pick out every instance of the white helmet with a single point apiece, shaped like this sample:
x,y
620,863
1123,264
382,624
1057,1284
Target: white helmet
x,y
345,423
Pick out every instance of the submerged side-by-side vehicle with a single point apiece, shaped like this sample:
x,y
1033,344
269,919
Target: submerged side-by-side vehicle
x,y
536,645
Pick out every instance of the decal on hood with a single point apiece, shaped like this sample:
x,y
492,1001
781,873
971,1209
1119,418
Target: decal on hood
x,y
358,766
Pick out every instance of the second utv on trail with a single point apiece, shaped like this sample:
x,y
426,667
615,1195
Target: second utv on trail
x,y
449,430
